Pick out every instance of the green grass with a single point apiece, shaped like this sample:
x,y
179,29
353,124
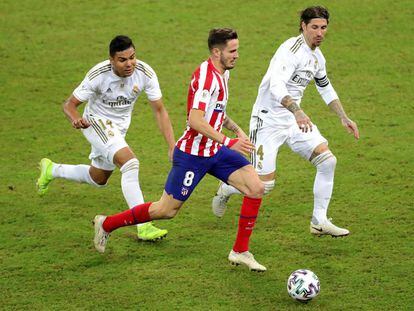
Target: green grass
x,y
47,260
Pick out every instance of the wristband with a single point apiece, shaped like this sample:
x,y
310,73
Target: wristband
x,y
225,141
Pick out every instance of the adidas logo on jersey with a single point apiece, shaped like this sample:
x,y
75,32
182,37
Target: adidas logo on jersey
x,y
109,90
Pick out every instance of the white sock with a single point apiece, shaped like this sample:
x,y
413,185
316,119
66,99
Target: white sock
x,y
322,188
78,173
228,190
130,184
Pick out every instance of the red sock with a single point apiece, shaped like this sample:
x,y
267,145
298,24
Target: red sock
x,y
247,220
133,216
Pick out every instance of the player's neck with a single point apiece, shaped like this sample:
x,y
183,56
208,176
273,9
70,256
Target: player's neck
x,y
312,47
217,65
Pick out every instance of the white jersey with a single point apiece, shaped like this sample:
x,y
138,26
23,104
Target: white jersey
x,y
112,97
291,69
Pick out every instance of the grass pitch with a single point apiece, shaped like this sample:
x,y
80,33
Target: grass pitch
x,y
47,260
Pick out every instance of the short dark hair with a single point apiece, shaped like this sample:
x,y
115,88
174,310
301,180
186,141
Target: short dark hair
x,y
313,12
120,43
220,36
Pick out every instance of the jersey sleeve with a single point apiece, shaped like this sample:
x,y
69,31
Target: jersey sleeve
x,y
85,90
281,68
202,88
152,86
323,85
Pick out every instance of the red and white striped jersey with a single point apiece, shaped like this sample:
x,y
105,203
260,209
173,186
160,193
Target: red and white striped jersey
x,y
208,92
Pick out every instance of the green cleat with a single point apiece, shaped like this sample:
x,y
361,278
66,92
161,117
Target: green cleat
x,y
148,232
46,177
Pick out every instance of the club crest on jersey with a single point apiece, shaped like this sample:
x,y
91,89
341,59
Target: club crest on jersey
x,y
184,191
135,89
205,94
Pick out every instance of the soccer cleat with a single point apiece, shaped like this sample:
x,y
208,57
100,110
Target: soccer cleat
x,y
45,177
101,236
219,203
328,228
148,232
246,258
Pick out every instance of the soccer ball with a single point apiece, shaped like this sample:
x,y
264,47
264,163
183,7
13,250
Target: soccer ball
x,y
303,285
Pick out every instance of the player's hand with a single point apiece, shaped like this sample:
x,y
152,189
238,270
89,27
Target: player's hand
x,y
80,123
351,127
303,121
243,146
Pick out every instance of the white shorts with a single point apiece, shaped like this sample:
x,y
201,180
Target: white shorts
x,y
268,138
105,139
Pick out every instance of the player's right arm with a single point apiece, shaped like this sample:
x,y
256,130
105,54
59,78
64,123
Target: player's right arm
x,y
82,93
281,70
197,122
302,119
70,109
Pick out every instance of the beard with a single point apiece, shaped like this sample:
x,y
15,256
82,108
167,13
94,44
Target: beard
x,y
226,64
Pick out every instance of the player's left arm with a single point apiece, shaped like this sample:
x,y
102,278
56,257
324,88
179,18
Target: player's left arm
x,y
164,124
232,126
350,125
330,97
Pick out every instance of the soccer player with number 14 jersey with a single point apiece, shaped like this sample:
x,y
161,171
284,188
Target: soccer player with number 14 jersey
x,y
111,89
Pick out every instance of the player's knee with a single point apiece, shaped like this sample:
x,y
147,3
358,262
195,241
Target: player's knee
x,y
130,165
99,180
269,185
326,161
256,191
101,183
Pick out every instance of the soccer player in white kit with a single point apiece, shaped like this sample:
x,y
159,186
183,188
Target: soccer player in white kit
x,y
111,89
278,119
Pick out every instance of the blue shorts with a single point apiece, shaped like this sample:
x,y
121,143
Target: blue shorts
x,y
188,170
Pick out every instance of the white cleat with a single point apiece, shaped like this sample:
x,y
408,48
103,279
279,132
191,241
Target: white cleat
x,y
219,203
101,236
246,258
328,228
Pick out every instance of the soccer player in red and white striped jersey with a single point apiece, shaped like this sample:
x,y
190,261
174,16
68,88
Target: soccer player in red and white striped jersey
x,y
204,149
208,92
